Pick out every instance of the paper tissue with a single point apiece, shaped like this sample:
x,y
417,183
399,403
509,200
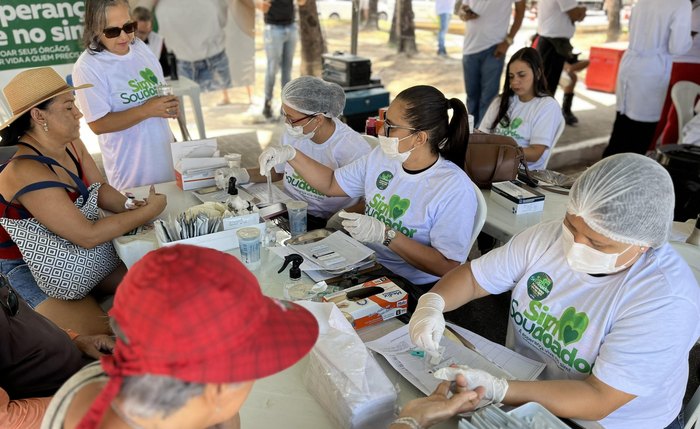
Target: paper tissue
x,y
344,377
195,163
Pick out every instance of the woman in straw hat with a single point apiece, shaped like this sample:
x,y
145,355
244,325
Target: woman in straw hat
x,y
45,122
123,107
189,360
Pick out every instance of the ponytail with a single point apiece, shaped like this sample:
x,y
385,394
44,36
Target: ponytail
x,y
455,148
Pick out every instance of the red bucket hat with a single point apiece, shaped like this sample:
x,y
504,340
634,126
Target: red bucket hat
x,y
198,315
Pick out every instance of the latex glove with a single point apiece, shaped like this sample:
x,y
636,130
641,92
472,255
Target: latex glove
x,y
427,323
363,228
495,388
221,176
273,156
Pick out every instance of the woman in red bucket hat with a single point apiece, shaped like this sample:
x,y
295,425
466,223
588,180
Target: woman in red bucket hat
x,y
193,334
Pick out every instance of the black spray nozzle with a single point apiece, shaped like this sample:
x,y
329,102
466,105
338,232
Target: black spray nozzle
x,y
232,190
296,260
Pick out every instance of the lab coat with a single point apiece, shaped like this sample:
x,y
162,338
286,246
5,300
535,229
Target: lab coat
x,y
659,29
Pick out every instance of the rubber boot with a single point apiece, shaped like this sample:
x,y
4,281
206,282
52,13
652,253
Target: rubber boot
x,y
569,117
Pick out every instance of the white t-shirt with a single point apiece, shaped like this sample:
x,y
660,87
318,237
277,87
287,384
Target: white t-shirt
x,y
139,155
490,28
194,29
444,6
534,122
552,19
435,207
342,148
633,330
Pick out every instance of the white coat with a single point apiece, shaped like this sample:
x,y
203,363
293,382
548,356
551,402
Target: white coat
x,y
659,29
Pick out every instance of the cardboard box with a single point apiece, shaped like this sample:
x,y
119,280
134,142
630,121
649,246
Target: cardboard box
x,y
388,302
222,240
195,162
517,197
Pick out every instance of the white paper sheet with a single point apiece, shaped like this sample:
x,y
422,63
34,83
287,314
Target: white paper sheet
x,y
259,191
344,252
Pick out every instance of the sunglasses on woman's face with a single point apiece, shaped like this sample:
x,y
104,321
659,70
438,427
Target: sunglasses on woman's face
x,y
8,298
112,32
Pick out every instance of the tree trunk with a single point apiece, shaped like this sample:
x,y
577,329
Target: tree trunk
x,y
311,40
613,8
372,22
403,31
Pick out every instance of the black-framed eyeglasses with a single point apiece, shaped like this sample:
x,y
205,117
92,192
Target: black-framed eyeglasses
x,y
9,301
112,32
296,121
386,127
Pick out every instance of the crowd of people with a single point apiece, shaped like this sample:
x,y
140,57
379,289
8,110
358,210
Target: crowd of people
x,y
593,295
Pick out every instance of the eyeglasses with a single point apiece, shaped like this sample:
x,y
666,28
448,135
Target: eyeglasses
x,y
388,127
112,32
296,121
9,301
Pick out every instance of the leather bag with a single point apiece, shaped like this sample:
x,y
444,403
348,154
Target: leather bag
x,y
493,158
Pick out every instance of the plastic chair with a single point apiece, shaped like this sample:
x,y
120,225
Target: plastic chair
x,y
560,131
479,216
691,411
372,140
684,94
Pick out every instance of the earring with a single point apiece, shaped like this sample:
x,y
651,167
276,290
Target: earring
x,y
46,127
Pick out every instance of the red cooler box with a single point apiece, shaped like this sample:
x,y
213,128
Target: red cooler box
x,y
605,62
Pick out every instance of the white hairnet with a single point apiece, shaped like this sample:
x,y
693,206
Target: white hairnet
x,y
626,197
309,95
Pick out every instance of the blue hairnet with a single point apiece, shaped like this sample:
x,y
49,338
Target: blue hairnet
x,y
626,197
309,95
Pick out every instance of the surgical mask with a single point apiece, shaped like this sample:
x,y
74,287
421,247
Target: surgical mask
x,y
586,259
297,132
390,147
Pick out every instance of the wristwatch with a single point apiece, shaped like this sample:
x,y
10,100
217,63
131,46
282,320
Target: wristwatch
x,y
389,234
509,40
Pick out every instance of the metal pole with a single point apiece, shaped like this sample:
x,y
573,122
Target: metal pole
x,y
355,27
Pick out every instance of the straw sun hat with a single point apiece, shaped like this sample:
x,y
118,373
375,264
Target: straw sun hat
x,y
32,87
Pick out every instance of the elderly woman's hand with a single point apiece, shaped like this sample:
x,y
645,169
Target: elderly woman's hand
x,y
162,107
94,346
439,407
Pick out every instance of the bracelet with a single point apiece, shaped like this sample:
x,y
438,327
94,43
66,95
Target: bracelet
x,y
71,333
408,421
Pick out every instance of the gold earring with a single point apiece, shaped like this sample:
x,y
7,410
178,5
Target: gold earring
x,y
46,127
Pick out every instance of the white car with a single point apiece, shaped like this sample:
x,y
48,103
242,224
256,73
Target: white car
x,y
342,9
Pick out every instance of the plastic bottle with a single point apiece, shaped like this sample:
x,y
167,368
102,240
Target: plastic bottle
x,y
694,238
294,288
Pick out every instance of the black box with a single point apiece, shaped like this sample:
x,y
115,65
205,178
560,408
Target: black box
x,y
346,70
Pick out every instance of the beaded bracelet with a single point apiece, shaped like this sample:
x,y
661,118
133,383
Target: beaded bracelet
x,y
408,421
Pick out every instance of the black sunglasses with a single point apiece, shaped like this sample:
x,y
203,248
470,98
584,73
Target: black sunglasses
x,y
9,301
112,32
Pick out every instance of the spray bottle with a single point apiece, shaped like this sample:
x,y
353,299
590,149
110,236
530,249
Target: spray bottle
x,y
294,289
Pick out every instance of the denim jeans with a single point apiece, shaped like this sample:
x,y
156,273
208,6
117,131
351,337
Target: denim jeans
x,y
444,23
280,44
678,422
22,281
482,75
210,73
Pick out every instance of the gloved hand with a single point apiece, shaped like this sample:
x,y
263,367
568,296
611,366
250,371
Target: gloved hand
x,y
363,228
495,388
273,156
427,323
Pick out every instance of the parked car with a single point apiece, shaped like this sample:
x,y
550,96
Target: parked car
x,y
342,9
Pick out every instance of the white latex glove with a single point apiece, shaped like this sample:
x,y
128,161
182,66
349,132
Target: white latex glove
x,y
427,323
273,156
495,388
221,176
363,228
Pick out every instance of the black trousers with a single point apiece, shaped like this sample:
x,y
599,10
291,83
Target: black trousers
x,y
553,63
629,135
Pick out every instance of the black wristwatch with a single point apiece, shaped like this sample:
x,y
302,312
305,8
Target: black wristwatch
x,y
389,234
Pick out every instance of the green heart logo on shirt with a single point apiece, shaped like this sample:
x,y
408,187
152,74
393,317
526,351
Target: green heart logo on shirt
x,y
515,123
572,325
398,206
148,74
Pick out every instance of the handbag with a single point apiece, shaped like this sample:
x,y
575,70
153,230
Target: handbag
x,y
493,158
62,269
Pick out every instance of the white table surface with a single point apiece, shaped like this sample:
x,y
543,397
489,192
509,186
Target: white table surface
x,y
282,400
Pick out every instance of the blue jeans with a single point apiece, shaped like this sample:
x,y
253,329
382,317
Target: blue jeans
x,y
482,75
22,281
210,73
280,44
678,422
444,23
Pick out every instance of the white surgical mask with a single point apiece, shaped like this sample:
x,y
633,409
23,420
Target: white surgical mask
x,y
390,147
297,132
586,259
